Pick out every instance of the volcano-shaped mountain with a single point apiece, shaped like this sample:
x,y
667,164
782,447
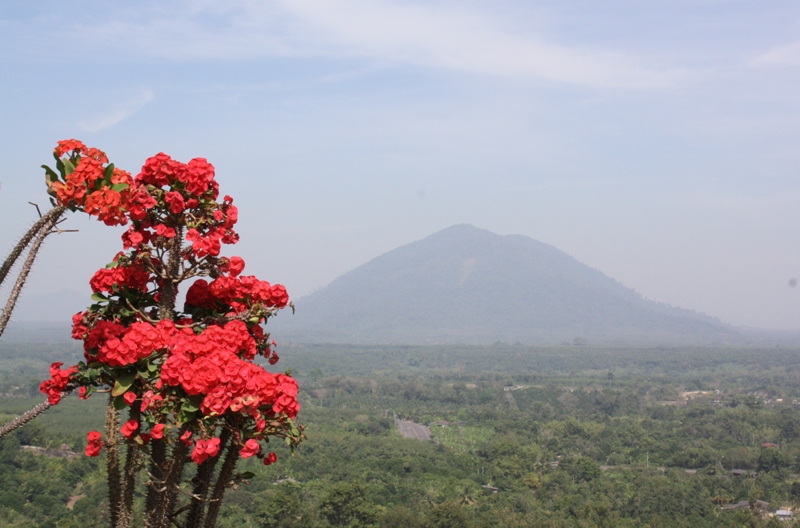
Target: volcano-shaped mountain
x,y
468,285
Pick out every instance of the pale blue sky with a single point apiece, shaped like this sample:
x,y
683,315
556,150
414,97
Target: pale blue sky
x,y
655,141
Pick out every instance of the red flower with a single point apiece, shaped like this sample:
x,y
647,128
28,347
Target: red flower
x,y
82,393
175,202
271,458
166,232
96,154
236,266
68,145
93,443
59,379
205,449
157,432
186,438
129,429
149,398
251,447
129,397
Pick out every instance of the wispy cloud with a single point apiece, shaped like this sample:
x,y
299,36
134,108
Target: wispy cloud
x,y
783,55
456,38
441,36
125,110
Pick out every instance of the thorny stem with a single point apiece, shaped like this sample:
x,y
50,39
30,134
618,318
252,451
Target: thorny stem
x,y
170,291
129,484
164,499
26,239
158,448
44,230
225,475
202,482
22,419
112,461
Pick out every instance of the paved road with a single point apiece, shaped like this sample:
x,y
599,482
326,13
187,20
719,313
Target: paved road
x,y
413,430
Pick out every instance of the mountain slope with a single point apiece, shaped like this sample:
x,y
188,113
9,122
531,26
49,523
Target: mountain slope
x,y
464,284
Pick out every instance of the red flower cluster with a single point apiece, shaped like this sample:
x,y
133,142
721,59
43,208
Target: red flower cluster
x,y
69,145
251,447
129,428
204,449
59,379
99,191
93,443
236,294
181,374
131,277
116,345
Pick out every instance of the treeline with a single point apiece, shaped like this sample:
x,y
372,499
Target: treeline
x,y
601,445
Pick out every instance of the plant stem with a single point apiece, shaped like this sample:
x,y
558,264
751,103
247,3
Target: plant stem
x,y
129,484
158,448
164,502
112,461
170,291
225,475
50,220
26,417
202,482
26,239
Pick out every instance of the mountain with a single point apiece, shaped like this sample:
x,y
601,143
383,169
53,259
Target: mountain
x,y
468,285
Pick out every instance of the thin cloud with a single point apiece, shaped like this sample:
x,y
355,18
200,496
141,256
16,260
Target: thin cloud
x,y
451,37
125,110
457,39
784,55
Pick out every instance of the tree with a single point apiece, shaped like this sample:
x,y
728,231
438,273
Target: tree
x,y
187,379
771,459
346,505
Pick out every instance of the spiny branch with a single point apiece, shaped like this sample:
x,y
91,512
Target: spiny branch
x,y
112,461
24,418
50,220
26,240
223,480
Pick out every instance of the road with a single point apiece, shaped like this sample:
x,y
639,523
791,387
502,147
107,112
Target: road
x,y
413,430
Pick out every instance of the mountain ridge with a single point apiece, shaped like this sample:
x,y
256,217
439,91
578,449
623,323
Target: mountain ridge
x,y
468,285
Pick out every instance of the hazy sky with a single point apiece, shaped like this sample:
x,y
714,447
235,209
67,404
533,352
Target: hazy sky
x,y
658,142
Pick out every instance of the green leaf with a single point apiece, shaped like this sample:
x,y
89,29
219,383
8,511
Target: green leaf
x,y
69,168
99,297
108,173
247,475
189,407
123,383
119,187
152,367
120,403
51,174
185,417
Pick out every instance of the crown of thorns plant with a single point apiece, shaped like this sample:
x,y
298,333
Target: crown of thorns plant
x,y
189,379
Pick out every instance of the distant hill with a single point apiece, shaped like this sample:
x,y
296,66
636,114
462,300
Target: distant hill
x,y
468,285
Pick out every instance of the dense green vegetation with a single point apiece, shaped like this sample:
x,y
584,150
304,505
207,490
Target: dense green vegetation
x,y
588,437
